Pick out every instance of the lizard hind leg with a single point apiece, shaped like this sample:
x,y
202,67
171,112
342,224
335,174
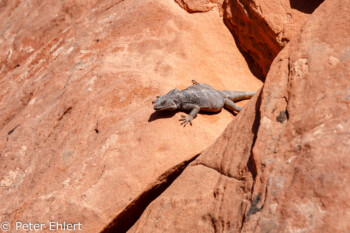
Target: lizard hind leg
x,y
231,105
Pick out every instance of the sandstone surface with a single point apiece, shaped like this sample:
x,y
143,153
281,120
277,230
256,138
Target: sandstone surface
x,y
282,165
193,6
262,28
79,139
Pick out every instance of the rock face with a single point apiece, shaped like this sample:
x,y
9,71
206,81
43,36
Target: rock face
x,y
193,6
282,164
79,139
262,28
80,142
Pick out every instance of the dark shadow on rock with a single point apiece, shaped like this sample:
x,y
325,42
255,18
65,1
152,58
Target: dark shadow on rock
x,y
131,213
161,114
208,113
232,112
252,166
305,6
253,67
168,114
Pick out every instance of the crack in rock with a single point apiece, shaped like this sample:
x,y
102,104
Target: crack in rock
x,y
129,216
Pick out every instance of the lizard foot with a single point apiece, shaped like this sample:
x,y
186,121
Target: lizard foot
x,y
186,119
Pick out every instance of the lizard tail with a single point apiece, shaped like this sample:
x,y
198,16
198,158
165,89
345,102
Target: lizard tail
x,y
238,95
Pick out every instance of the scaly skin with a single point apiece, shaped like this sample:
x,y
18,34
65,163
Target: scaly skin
x,y
199,97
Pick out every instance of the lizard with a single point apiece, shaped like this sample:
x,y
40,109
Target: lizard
x,y
199,97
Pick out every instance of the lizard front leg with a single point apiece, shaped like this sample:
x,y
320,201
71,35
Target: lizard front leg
x,y
191,116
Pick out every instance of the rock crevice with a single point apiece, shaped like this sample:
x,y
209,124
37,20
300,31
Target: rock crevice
x,y
128,217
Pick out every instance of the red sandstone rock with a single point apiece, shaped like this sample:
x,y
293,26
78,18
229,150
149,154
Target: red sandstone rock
x,y
262,28
283,163
193,6
79,140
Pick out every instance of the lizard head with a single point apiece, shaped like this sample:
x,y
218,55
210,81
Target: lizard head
x,y
166,102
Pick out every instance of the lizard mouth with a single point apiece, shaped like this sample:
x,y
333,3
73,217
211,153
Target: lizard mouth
x,y
159,108
171,107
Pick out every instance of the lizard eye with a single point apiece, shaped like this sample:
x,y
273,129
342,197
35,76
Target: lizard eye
x,y
164,101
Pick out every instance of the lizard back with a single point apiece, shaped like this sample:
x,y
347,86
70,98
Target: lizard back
x,y
203,95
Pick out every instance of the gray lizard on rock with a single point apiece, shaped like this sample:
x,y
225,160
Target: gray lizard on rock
x,y
199,97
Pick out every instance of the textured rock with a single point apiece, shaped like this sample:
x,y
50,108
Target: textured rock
x,y
262,28
79,140
193,6
282,164
207,196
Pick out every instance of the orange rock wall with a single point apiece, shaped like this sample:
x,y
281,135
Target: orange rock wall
x,y
262,28
282,164
80,141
